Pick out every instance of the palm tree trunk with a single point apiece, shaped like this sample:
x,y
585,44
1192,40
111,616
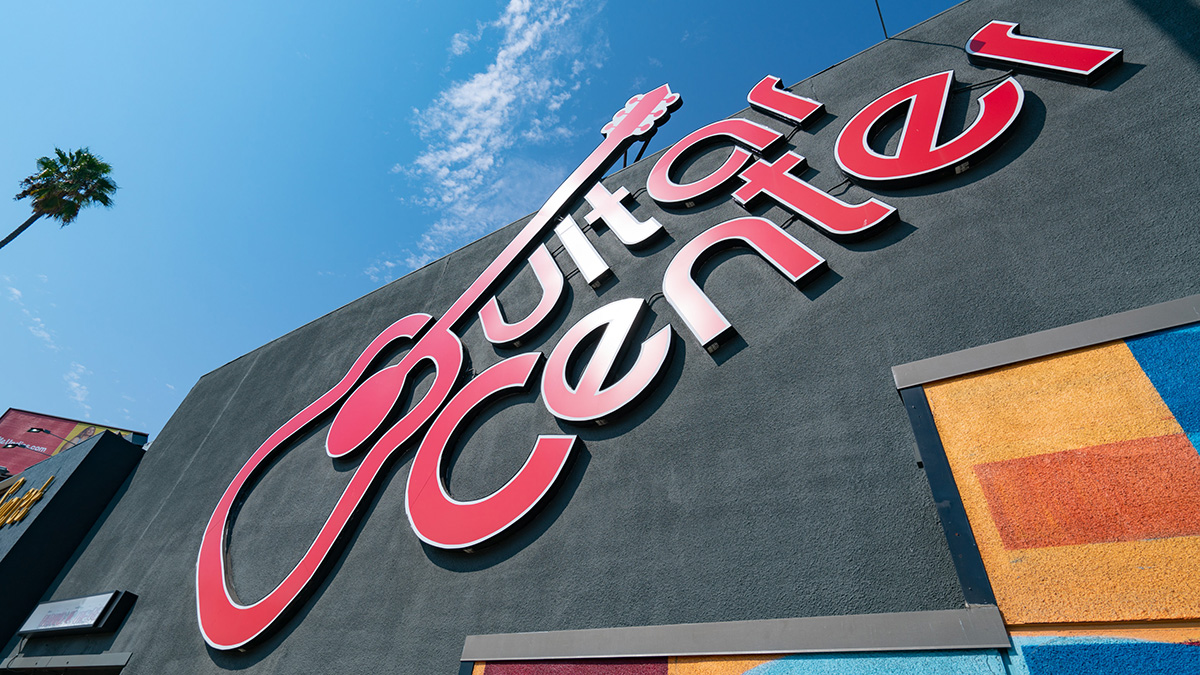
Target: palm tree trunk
x,y
24,226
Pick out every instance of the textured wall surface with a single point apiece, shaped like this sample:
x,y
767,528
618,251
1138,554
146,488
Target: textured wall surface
x,y
774,478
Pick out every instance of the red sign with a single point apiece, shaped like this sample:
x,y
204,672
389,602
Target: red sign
x,y
362,402
1000,44
365,404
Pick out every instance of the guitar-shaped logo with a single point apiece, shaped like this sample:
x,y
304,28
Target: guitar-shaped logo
x,y
364,403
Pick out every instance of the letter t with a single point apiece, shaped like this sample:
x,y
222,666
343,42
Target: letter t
x,y
607,206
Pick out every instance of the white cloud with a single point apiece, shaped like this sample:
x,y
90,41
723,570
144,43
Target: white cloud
x,y
460,44
39,331
76,390
472,127
32,322
499,203
385,270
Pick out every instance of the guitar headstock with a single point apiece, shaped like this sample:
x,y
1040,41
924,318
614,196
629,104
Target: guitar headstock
x,y
642,113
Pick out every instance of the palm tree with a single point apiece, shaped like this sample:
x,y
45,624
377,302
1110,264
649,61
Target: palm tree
x,y
64,184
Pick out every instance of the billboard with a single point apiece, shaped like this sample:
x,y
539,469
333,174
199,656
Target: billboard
x,y
52,436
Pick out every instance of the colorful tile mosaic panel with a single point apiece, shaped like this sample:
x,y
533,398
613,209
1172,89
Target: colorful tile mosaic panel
x,y
1080,476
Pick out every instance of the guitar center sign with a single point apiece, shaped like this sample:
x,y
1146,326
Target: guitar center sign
x,y
363,403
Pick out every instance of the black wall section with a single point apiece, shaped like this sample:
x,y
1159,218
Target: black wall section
x,y
34,550
977,589
772,479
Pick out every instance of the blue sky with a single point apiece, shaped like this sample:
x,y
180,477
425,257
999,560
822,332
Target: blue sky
x,y
277,162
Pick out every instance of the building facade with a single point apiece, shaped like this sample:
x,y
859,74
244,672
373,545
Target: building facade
x,y
667,424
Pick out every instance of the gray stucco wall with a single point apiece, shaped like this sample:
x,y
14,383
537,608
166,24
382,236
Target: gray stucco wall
x,y
775,478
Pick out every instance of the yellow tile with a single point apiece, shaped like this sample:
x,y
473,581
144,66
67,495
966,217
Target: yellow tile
x,y
714,665
1088,397
1119,581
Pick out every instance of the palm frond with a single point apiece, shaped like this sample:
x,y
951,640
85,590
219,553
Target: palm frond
x,y
69,181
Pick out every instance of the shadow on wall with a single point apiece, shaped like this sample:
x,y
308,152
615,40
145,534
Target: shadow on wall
x,y
1178,19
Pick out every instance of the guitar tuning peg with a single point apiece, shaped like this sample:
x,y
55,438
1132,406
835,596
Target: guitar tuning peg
x,y
667,101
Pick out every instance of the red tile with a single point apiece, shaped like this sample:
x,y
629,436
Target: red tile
x,y
1148,488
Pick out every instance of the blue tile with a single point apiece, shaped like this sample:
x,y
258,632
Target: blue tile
x,y
974,662
1111,658
1171,359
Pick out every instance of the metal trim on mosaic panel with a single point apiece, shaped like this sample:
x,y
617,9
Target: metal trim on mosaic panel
x,y
968,563
67,662
1045,343
977,627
